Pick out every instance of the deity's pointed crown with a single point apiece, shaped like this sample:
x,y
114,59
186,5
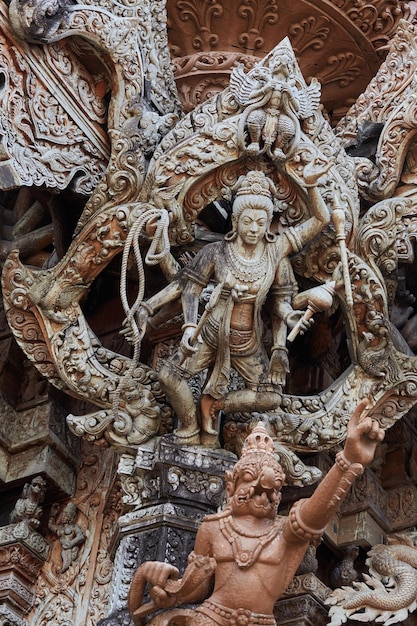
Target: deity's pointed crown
x,y
258,442
254,183
253,191
258,449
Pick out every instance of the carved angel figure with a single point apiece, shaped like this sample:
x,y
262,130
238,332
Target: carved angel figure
x,y
274,106
251,552
248,265
389,593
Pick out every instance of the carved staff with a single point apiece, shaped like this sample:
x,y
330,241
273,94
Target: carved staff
x,y
338,217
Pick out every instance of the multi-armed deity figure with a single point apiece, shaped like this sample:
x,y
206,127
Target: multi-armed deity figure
x,y
247,550
248,266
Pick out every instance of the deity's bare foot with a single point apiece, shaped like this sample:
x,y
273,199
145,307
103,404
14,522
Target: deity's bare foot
x,y
209,440
187,435
253,148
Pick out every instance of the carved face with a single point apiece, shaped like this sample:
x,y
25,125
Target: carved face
x,y
257,490
252,226
37,488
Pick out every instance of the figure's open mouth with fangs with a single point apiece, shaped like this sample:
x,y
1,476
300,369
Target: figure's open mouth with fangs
x,y
260,495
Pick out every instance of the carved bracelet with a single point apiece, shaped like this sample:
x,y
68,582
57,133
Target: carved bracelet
x,y
188,325
299,528
345,465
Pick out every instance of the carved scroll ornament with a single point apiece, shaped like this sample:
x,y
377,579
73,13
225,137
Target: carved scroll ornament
x,y
193,165
390,101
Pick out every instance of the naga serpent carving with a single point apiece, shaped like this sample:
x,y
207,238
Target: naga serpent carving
x,y
389,593
171,168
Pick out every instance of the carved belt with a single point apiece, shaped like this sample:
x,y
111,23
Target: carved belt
x,y
223,616
240,338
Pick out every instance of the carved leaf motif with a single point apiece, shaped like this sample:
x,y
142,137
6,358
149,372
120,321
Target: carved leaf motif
x,y
201,13
378,20
342,68
257,16
311,32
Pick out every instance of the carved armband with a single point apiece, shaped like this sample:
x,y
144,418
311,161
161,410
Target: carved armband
x,y
350,472
299,528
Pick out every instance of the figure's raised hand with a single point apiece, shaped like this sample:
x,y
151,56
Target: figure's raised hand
x,y
363,435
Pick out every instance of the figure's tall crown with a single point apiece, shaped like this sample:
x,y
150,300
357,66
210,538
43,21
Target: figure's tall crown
x,y
258,449
254,183
258,442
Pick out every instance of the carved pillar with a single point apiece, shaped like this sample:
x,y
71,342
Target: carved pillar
x,y
23,551
174,487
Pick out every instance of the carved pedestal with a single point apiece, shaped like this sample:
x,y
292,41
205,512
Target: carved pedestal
x,y
172,488
23,551
302,604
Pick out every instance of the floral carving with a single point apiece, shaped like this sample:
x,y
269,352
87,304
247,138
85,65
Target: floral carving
x,y
201,14
257,15
311,32
378,20
62,143
342,68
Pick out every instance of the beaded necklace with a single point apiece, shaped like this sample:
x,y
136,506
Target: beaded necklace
x,y
247,270
246,557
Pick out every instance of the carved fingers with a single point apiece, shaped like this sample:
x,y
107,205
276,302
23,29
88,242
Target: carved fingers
x,y
363,435
188,346
279,366
157,575
299,318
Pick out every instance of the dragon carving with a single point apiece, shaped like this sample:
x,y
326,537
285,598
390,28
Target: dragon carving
x,y
388,594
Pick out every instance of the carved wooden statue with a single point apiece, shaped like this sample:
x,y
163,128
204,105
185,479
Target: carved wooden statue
x,y
252,552
28,508
250,263
69,533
